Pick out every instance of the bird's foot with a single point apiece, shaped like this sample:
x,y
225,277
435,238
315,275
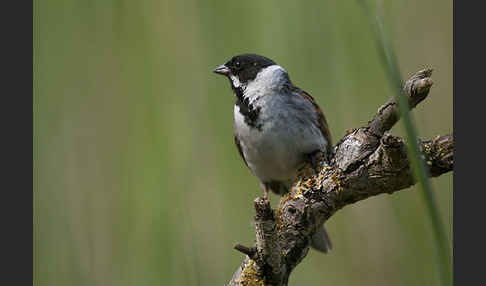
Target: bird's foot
x,y
265,191
313,160
265,194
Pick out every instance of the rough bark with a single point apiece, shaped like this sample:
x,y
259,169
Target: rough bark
x,y
368,161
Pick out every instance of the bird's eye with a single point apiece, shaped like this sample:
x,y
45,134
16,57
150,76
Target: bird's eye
x,y
237,64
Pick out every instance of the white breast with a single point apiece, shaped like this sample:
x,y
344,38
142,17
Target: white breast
x,y
277,151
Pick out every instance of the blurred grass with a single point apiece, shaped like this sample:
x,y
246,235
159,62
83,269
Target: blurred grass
x,y
137,180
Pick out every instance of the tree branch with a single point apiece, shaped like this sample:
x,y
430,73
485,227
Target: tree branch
x,y
416,89
368,161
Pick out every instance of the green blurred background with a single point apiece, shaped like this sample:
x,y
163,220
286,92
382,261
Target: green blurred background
x,y
137,179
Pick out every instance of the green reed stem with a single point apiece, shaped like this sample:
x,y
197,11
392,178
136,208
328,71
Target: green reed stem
x,y
420,172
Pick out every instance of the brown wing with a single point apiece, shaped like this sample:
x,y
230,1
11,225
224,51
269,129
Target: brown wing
x,y
237,143
320,117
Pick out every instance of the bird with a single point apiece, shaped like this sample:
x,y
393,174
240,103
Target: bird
x,y
278,127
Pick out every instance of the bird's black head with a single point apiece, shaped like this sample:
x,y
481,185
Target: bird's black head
x,y
243,68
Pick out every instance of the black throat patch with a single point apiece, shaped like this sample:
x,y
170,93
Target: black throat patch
x,y
248,110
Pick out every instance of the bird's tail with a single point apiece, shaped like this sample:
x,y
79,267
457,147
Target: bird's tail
x,y
320,240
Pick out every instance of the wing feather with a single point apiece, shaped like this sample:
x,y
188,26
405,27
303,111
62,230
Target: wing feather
x,y
321,119
238,146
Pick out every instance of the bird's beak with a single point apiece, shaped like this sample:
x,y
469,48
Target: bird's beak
x,y
222,69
